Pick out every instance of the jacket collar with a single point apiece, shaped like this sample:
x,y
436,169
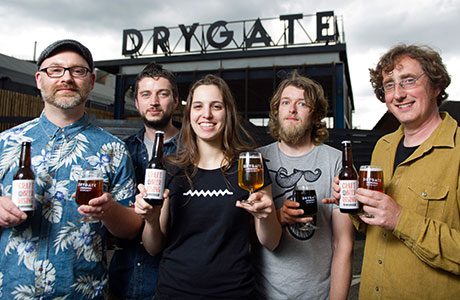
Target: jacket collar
x,y
443,136
139,136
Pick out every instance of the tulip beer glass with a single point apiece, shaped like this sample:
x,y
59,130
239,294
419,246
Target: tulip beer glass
x,y
250,171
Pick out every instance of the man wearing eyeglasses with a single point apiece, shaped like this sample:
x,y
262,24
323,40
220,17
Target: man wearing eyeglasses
x,y
413,229
53,254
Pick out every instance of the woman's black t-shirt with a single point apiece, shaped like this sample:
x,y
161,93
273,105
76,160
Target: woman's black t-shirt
x,y
207,248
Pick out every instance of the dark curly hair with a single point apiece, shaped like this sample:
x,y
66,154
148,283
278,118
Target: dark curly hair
x,y
429,59
154,70
314,93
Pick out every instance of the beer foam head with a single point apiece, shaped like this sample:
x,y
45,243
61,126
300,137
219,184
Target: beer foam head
x,y
370,168
91,174
304,187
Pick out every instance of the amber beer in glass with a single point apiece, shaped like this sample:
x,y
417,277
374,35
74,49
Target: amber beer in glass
x,y
371,178
250,171
22,193
348,182
90,185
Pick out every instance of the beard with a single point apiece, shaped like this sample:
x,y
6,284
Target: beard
x,y
158,123
294,135
66,101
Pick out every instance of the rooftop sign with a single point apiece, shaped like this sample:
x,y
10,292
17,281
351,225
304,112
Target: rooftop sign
x,y
235,35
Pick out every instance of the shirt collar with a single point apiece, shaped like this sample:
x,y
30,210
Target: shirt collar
x,y
141,133
68,131
443,136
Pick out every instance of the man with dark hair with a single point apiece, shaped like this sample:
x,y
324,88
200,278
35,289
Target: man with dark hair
x,y
53,254
309,263
133,272
413,228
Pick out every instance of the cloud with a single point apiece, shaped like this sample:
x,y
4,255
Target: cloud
x,y
371,28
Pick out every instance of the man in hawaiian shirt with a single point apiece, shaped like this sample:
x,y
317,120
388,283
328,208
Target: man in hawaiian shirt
x,y
53,254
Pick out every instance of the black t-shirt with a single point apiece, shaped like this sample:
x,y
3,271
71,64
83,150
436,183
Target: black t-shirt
x,y
402,153
207,250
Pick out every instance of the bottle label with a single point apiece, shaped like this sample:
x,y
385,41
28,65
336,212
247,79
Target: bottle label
x,y
155,183
23,194
348,194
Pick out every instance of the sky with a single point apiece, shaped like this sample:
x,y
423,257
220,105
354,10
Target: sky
x,y
371,27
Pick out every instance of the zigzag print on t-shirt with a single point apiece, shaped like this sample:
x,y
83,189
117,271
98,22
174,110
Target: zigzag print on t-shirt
x,y
207,193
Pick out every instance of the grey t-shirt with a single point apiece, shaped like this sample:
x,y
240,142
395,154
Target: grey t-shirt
x,y
299,269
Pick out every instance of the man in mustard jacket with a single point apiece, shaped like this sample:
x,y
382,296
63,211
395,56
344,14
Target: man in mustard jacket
x,y
413,229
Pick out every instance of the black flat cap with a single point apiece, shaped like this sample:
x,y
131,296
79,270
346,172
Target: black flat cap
x,y
61,45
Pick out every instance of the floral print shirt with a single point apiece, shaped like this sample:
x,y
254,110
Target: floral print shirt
x,y
54,255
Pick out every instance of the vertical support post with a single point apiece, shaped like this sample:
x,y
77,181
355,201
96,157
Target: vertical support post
x,y
246,93
119,103
339,98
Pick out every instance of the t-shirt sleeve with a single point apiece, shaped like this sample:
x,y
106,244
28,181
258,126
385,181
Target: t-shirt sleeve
x,y
267,179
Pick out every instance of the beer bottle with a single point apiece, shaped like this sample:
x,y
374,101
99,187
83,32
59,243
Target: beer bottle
x,y
155,174
348,182
22,193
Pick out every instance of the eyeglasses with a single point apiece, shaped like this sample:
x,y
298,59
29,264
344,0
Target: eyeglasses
x,y
57,72
406,83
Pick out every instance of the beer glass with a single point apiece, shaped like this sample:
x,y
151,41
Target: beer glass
x,y
89,186
371,178
306,197
250,171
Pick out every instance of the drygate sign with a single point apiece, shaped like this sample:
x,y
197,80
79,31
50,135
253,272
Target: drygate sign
x,y
284,31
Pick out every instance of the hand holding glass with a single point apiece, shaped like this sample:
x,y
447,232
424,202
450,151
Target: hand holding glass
x,y
308,202
250,171
371,178
89,186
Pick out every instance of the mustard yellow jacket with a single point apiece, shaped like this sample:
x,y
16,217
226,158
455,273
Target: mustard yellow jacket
x,y
420,259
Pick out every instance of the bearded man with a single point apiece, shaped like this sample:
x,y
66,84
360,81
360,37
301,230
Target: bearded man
x,y
53,254
133,272
311,262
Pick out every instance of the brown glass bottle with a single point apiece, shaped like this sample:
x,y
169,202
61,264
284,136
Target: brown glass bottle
x,y
22,193
155,174
348,182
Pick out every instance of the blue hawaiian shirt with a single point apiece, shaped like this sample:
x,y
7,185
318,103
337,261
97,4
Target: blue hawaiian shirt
x,y
54,255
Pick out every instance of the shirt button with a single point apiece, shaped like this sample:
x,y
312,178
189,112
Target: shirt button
x,y
40,269
384,234
141,243
377,289
138,264
424,194
380,261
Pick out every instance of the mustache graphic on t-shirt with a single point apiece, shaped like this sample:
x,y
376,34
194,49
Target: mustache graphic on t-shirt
x,y
289,181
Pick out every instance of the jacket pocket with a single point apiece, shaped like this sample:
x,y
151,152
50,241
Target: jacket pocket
x,y
431,199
